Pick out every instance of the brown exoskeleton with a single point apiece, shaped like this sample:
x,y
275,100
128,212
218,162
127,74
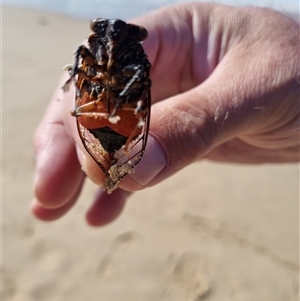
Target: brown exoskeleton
x,y
112,102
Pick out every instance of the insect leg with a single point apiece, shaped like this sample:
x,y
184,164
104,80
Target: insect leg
x,y
84,53
142,111
89,106
139,70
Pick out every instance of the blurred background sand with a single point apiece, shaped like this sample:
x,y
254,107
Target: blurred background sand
x,y
211,232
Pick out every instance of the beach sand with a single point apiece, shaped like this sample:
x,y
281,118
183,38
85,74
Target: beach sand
x,y
212,232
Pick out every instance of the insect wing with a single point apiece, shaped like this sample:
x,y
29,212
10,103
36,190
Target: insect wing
x,y
117,164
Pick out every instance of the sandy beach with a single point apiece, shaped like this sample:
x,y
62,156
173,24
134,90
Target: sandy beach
x,y
212,232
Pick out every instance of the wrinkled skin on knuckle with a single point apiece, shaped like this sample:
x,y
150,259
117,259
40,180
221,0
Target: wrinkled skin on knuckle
x,y
193,135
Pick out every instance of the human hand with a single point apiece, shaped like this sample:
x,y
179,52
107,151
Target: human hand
x,y
225,88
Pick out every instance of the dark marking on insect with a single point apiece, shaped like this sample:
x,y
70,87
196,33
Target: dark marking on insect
x,y
112,102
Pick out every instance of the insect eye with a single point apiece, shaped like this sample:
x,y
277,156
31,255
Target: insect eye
x,y
98,25
138,33
143,33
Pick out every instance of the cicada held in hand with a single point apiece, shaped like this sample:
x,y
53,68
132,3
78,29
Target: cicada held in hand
x,y
112,102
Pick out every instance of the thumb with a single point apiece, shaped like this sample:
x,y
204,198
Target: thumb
x,y
182,130
185,127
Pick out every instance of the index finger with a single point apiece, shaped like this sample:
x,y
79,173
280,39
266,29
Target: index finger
x,y
58,174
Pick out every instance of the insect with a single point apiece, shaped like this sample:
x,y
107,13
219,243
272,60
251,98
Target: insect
x,y
112,102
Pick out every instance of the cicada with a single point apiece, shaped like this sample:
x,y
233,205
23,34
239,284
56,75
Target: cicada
x,y
112,99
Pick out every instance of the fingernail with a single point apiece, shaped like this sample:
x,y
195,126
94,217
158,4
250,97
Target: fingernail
x,y
153,162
